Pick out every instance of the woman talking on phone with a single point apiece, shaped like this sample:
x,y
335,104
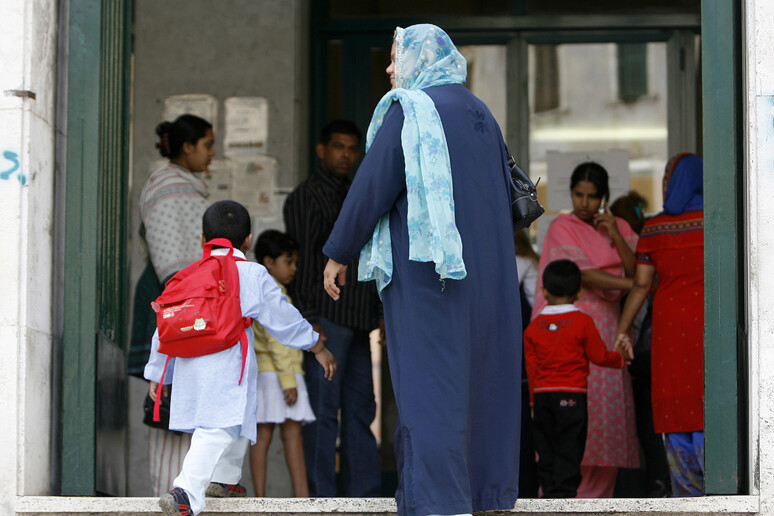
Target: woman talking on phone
x,y
602,246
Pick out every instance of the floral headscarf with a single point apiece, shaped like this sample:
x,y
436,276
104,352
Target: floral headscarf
x,y
683,184
424,57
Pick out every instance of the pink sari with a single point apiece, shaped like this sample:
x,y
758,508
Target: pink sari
x,y
612,433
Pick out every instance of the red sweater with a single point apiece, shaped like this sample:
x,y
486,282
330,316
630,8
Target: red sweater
x,y
558,345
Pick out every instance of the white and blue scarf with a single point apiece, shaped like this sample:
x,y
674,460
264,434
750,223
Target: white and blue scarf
x,y
425,56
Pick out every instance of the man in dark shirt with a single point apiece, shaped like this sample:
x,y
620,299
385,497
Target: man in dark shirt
x,y
310,212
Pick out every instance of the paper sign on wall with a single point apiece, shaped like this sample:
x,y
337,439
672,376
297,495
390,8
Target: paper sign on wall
x,y
247,120
219,179
254,184
250,181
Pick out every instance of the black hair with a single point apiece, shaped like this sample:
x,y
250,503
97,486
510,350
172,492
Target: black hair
x,y
342,127
594,173
226,219
630,208
185,128
273,243
562,278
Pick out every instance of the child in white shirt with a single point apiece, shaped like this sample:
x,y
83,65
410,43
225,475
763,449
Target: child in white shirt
x,y
209,401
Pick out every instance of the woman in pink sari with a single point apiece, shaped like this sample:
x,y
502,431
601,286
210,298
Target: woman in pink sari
x,y
603,248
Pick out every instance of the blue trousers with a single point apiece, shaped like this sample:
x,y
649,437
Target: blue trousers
x,y
352,391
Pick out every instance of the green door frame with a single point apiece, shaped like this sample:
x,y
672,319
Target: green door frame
x,y
79,354
95,242
725,335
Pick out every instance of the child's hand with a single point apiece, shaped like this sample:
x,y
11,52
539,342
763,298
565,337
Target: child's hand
x,y
326,360
328,363
324,357
291,396
154,386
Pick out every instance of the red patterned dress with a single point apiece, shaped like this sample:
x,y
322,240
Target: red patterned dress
x,y
674,244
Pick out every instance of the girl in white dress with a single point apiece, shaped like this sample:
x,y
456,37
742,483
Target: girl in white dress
x,y
282,395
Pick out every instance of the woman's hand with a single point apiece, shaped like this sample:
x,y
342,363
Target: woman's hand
x,y
606,219
334,271
623,344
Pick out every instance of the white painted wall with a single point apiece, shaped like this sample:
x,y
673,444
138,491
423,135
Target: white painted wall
x,y
28,53
759,107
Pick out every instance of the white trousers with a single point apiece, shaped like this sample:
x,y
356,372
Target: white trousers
x,y
216,455
166,451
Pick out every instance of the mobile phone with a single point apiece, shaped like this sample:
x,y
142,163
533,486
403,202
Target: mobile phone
x,y
602,208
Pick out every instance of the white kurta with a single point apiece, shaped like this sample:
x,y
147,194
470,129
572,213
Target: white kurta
x,y
205,390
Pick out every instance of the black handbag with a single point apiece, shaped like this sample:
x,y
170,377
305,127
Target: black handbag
x,y
525,207
163,412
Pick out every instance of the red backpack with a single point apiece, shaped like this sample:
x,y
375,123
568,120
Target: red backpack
x,y
199,312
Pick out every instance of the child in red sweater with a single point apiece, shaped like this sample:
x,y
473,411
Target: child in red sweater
x,y
558,345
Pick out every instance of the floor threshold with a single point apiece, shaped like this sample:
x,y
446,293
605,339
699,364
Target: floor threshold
x,y
71,505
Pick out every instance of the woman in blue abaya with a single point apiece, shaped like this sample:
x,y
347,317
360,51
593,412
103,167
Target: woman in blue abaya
x,y
430,209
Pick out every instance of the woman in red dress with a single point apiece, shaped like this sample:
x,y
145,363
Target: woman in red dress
x,y
670,255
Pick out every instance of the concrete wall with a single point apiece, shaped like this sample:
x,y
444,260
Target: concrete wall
x,y
227,48
759,138
28,53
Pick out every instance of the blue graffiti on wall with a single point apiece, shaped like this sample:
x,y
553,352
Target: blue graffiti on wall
x,y
7,174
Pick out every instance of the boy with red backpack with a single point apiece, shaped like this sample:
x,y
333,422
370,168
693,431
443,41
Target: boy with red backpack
x,y
215,383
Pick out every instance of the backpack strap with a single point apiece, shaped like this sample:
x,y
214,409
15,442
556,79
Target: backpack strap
x,y
207,251
157,403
